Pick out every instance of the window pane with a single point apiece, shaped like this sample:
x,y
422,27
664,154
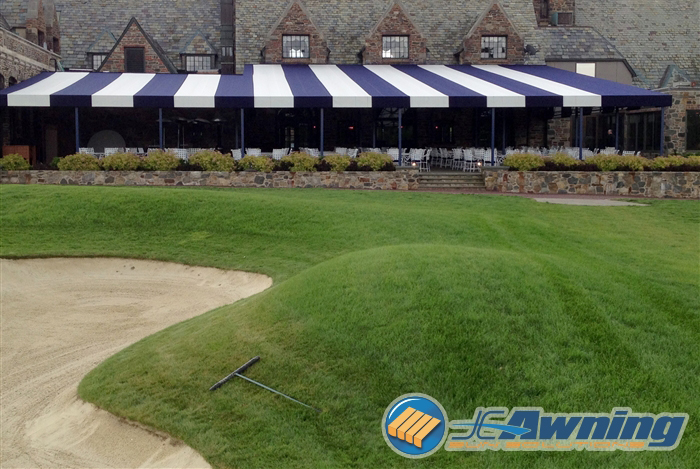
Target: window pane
x,y
295,47
494,47
97,60
135,62
194,63
395,47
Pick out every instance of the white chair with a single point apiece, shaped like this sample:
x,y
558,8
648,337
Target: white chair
x,y
628,153
133,150
352,152
341,150
394,154
457,158
278,153
469,160
424,164
313,152
253,151
236,153
181,153
112,150
87,150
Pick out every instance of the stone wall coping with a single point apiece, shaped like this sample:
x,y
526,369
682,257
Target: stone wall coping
x,y
17,37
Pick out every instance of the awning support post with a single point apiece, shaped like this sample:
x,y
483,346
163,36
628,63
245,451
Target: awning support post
x,y
400,135
503,142
160,126
322,132
580,134
493,135
242,132
77,131
617,129
663,124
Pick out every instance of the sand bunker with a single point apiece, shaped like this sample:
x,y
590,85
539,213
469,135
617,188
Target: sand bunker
x,y
62,317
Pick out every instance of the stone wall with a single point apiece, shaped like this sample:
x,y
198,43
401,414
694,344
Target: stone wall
x,y
684,100
384,180
21,59
647,184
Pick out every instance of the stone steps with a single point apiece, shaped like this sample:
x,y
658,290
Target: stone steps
x,y
452,181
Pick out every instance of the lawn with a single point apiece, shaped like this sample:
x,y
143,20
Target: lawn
x,y
474,300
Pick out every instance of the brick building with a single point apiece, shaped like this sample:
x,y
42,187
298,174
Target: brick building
x,y
654,45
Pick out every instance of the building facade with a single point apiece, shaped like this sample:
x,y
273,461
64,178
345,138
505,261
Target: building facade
x,y
654,45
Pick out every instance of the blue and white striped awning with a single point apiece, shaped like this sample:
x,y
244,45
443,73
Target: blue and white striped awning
x,y
334,86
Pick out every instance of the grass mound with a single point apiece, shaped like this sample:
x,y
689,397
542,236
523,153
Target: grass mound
x,y
469,326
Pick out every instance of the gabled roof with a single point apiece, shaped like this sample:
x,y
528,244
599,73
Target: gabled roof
x,y
674,76
188,45
485,12
104,42
15,12
156,47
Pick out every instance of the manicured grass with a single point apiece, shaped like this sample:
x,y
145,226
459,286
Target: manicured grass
x,y
475,300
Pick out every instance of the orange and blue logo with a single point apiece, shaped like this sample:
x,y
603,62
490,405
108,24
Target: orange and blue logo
x,y
416,425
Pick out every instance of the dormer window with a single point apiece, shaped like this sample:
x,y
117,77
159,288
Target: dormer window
x,y
195,63
96,59
494,47
295,47
544,10
394,47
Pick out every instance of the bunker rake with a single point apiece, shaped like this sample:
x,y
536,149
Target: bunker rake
x,y
239,372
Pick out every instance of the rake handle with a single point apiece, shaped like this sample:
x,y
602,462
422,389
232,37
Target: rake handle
x,y
247,365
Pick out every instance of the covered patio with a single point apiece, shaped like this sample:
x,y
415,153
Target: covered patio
x,y
486,101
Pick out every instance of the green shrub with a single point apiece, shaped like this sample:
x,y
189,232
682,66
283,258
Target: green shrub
x,y
565,160
670,162
258,163
121,162
337,162
376,161
619,162
301,161
210,160
14,162
524,161
159,160
79,162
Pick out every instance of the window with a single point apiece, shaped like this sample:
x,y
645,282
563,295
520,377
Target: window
x,y
566,18
586,69
134,60
493,47
544,10
195,63
227,51
395,47
643,131
42,39
2,82
295,47
97,59
693,130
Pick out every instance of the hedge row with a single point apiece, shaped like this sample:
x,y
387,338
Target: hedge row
x,y
563,162
209,161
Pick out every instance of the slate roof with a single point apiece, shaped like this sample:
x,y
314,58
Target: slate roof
x,y
14,11
576,43
650,34
167,22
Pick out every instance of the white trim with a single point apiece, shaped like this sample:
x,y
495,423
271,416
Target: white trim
x,y
496,96
39,94
270,87
421,94
120,93
573,97
346,93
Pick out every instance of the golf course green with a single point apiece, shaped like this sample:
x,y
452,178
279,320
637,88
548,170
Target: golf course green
x,y
474,300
